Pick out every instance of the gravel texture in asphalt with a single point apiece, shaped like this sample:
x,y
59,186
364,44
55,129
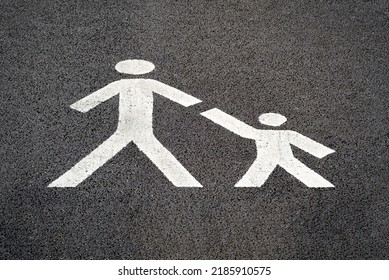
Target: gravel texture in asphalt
x,y
322,64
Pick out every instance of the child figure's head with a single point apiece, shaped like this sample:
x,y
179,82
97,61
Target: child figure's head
x,y
134,66
272,119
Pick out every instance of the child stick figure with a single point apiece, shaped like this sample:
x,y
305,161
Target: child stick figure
x,y
273,148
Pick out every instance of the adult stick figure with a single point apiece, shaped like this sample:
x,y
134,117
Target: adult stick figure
x,y
273,148
135,125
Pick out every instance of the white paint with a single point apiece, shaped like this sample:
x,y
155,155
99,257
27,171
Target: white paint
x,y
134,66
135,125
272,119
274,148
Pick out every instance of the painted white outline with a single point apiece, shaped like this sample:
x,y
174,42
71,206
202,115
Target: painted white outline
x,y
273,148
134,125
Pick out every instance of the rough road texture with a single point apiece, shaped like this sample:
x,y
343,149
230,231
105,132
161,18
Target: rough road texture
x,y
323,64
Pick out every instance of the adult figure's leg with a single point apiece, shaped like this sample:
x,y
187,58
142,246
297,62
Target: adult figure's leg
x,y
89,164
166,162
305,174
257,174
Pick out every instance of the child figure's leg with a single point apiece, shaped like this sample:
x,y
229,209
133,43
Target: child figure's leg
x,y
257,174
305,174
89,164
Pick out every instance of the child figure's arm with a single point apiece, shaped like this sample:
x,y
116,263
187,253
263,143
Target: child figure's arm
x,y
310,146
97,97
230,123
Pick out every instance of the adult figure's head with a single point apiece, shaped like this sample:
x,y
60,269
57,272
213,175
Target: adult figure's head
x,y
134,67
272,119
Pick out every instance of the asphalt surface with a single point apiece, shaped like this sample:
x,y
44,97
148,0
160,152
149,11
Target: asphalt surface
x,y
322,64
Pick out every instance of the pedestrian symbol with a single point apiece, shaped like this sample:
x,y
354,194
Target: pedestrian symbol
x,y
135,125
273,148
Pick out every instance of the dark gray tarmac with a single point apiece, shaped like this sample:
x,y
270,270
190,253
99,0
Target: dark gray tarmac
x,y
323,64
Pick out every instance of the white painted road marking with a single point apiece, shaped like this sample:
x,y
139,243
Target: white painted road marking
x,y
135,125
273,148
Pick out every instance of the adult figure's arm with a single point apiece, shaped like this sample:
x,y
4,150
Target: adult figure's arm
x,y
172,93
229,122
97,97
310,146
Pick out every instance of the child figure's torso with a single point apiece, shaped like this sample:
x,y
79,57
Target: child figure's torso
x,y
273,145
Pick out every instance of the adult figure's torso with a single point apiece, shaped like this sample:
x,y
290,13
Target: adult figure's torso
x,y
135,108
